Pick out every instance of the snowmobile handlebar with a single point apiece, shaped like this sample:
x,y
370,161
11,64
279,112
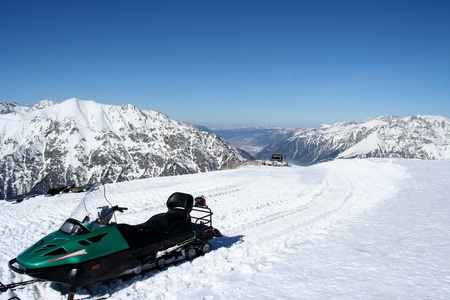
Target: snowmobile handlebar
x,y
107,213
121,209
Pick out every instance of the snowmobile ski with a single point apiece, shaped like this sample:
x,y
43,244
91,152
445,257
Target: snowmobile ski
x,y
12,286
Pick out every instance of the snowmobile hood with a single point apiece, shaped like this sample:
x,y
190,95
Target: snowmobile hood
x,y
59,248
86,235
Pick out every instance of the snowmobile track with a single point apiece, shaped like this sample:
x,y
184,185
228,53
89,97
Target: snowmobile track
x,y
330,199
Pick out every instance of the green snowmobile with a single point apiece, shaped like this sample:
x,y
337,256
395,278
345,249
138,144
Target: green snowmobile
x,y
89,248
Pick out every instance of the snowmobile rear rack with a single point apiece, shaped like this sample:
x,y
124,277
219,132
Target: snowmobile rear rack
x,y
202,219
201,216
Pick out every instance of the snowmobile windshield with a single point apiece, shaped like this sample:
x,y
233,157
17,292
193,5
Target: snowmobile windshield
x,y
90,213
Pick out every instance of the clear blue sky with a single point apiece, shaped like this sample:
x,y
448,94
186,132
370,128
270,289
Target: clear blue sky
x,y
232,63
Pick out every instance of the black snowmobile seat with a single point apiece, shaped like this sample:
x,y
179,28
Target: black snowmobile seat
x,y
164,225
180,201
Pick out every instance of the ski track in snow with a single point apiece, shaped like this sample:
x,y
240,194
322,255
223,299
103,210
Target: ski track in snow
x,y
273,220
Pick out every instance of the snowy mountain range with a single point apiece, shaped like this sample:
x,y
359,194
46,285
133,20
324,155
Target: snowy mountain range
x,y
51,144
422,137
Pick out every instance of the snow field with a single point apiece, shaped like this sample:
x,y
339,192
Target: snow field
x,y
348,229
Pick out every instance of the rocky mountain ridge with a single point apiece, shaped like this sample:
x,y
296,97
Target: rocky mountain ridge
x,y
78,141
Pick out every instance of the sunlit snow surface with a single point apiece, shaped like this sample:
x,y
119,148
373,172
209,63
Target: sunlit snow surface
x,y
348,229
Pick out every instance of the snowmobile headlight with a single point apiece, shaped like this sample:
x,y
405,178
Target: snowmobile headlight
x,y
67,227
73,227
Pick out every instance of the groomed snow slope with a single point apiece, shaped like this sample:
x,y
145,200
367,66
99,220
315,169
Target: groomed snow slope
x,y
347,229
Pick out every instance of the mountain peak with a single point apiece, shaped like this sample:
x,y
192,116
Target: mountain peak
x,y
42,104
8,108
387,118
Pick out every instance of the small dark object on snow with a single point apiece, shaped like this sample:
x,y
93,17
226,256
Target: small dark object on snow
x,y
60,190
20,198
82,188
276,160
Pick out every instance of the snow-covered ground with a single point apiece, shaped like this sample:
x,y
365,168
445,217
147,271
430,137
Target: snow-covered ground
x,y
347,229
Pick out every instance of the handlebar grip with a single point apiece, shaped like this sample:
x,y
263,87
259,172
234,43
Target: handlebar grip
x,y
121,209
